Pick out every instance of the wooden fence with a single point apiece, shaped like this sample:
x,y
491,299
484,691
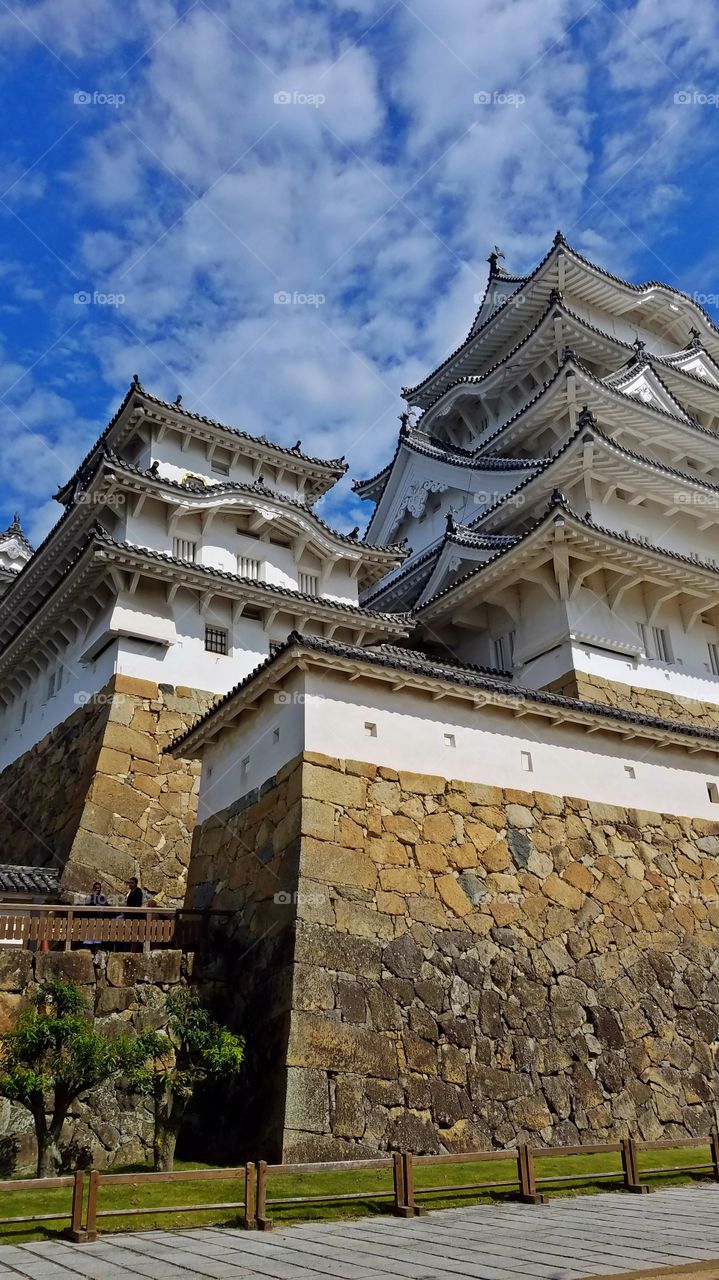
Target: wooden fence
x,y
86,1211
42,927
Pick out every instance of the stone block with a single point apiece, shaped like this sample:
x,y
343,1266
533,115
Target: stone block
x,y
124,969
316,1040
403,957
349,1112
423,784
307,1101
332,787
453,895
353,917
69,966
559,891
332,864
15,968
317,819
10,1006
338,952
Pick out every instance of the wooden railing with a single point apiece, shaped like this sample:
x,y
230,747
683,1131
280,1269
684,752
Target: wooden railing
x,y
41,927
398,1190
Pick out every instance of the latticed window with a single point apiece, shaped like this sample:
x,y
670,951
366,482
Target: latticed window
x,y
714,658
248,567
504,651
216,640
184,549
309,583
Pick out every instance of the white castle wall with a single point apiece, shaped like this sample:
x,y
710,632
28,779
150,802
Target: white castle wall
x,y
408,731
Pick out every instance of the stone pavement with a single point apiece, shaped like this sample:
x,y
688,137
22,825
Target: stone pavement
x,y
565,1240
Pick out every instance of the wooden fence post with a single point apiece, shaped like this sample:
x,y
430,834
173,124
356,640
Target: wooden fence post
x,y
250,1216
91,1221
714,1148
401,1209
75,1231
630,1168
414,1208
528,1193
263,1222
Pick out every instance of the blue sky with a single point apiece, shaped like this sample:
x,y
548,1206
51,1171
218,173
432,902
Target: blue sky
x,y
181,163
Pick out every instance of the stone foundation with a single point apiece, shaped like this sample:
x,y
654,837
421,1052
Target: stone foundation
x,y
629,697
97,797
470,967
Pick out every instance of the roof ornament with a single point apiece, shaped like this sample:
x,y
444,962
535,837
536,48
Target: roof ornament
x,y
136,379
178,401
568,353
354,533
451,523
557,499
493,260
638,348
555,295
696,337
558,239
155,468
15,526
297,445
586,417
405,420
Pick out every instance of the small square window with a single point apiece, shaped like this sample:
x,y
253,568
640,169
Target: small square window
x,y
713,792
216,640
370,729
526,761
245,766
275,735
630,771
450,740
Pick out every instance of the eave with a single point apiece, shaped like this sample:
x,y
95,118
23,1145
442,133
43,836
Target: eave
x,y
564,268
140,406
464,684
534,556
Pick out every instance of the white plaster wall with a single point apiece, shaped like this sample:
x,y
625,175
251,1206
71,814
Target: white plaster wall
x,y
241,761
174,463
79,683
409,734
220,545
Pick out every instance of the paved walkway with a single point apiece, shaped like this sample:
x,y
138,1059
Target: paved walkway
x,y
565,1240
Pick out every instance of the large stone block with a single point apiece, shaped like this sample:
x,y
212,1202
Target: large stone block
x,y
307,1104
318,1041
70,966
162,968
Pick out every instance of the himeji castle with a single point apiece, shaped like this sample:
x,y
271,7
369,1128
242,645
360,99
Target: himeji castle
x,y
453,786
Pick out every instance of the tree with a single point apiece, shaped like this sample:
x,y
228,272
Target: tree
x,y
51,1056
191,1049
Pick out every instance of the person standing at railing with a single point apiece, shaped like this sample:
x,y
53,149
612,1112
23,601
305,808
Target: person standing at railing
x,y
135,897
95,899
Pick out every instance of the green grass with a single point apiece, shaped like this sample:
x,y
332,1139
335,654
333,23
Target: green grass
x,y
580,1170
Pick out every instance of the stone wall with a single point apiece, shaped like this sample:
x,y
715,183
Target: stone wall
x,y
98,798
475,967
246,861
628,697
125,990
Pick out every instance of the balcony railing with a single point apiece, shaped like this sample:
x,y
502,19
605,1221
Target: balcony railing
x,y
43,927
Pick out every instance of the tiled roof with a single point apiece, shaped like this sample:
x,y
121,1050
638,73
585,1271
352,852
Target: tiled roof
x,y
39,881
15,530
413,661
558,501
102,537
559,241
199,489
338,466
